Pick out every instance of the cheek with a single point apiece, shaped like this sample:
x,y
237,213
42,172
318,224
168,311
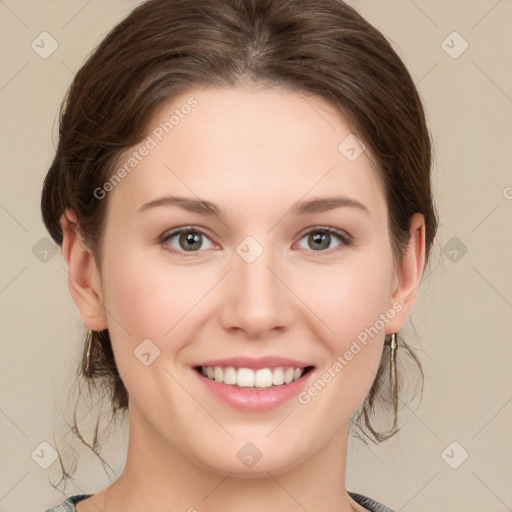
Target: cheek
x,y
351,299
146,297
353,302
138,303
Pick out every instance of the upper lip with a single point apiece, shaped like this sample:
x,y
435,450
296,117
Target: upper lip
x,y
255,363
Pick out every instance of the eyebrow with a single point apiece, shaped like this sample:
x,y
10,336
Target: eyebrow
x,y
315,205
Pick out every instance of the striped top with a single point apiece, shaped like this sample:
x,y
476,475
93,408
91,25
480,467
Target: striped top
x,y
68,505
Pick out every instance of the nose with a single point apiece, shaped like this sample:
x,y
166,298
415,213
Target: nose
x,y
257,300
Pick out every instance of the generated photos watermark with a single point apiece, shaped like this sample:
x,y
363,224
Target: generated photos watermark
x,y
150,143
343,360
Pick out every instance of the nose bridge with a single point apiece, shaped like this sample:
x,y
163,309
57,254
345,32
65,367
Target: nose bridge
x,y
258,301
253,271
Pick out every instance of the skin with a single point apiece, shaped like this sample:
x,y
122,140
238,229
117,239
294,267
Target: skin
x,y
253,152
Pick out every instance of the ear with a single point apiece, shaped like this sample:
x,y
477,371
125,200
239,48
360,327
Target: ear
x,y
83,275
408,274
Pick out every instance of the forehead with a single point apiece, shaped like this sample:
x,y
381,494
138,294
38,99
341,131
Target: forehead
x,y
242,145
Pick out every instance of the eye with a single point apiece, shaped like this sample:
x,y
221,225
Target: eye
x,y
185,240
320,239
192,240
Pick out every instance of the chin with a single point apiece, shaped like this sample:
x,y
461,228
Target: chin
x,y
240,465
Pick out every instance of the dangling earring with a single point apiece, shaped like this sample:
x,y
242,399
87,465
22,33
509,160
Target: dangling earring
x,y
394,345
86,363
392,377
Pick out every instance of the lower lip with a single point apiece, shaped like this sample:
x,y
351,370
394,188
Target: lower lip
x,y
255,399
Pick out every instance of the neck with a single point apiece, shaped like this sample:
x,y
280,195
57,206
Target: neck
x,y
159,477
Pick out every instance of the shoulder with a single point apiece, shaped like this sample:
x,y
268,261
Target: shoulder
x,y
68,505
368,503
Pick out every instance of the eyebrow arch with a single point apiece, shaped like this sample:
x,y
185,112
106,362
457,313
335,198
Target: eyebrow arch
x,y
315,205
324,204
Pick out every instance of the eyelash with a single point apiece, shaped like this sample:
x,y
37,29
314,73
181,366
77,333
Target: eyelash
x,y
343,237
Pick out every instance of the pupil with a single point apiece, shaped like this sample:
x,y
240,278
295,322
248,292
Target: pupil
x,y
193,239
318,238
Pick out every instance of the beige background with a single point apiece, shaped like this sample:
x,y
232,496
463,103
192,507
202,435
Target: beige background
x,y
463,316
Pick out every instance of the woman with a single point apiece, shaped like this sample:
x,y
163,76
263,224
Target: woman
x,y
242,195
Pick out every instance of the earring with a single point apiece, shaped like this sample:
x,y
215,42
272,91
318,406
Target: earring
x,y
394,345
86,363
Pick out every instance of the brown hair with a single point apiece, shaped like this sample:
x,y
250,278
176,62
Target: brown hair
x,y
166,47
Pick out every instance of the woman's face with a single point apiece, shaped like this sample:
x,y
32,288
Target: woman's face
x,y
216,254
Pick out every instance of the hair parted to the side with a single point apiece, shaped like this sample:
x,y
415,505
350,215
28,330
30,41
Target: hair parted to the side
x,y
166,47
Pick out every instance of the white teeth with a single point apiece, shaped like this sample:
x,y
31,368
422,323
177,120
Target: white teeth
x,y
218,374
229,375
278,377
263,378
245,377
288,375
249,378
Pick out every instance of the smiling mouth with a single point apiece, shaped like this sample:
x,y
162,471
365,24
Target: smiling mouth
x,y
247,378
